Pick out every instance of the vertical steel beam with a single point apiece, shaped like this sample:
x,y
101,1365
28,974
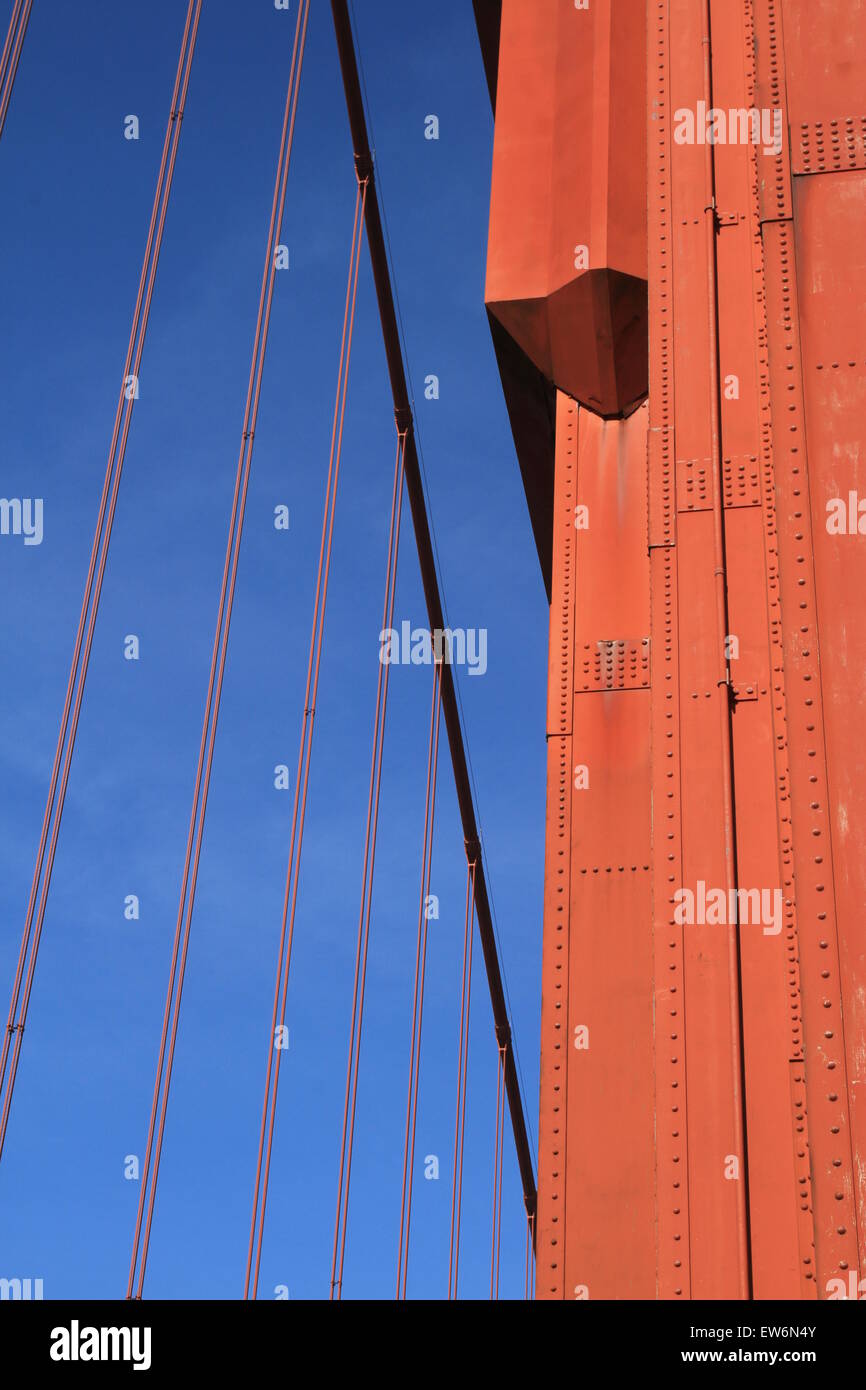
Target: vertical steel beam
x,y
813,224
596,1181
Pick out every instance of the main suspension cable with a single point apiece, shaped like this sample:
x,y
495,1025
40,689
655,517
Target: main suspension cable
x,y
304,760
32,934
165,1062
420,977
347,1140
430,579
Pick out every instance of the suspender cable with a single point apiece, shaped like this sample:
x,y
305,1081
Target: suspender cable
x,y
12,53
430,580
304,760
530,1263
165,1062
41,884
462,1065
497,1176
347,1140
501,1153
418,997
8,43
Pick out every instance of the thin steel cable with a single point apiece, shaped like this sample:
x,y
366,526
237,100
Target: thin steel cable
x,y
533,1257
12,54
420,943
165,1063
530,1257
8,42
347,1140
497,1176
420,977
304,756
32,933
462,1066
501,1153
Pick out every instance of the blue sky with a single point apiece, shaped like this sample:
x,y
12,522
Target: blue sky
x,y
76,200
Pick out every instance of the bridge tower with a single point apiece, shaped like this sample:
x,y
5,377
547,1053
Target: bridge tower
x,y
677,256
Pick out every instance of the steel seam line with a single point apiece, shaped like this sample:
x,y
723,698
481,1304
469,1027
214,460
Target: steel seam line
x,y
724,675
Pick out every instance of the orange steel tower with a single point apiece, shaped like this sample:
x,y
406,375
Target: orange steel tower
x,y
675,283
